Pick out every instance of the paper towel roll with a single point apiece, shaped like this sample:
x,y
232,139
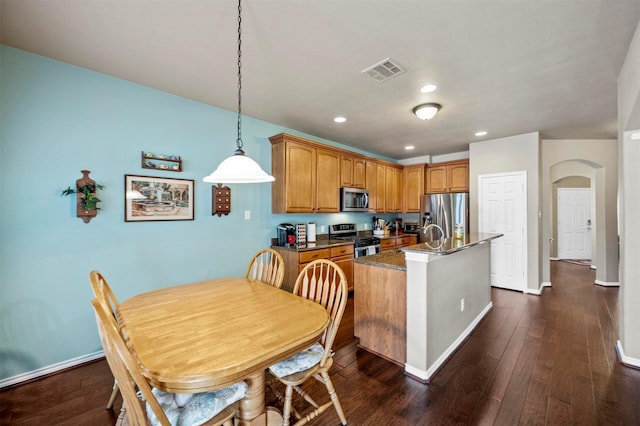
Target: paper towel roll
x,y
311,232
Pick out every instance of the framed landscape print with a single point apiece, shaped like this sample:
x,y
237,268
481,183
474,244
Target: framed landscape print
x,y
151,198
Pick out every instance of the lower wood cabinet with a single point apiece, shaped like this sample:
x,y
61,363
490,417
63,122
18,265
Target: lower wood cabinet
x,y
395,242
295,261
380,311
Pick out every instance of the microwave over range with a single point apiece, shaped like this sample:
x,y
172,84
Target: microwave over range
x,y
354,200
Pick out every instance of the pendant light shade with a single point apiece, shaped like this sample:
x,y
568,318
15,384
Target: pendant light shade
x,y
426,111
239,168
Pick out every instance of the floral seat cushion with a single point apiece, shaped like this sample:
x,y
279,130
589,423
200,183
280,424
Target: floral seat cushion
x,y
194,409
298,362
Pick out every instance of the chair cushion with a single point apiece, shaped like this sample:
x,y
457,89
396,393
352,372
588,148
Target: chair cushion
x,y
195,409
299,362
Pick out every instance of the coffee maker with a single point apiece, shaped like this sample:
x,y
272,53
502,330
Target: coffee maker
x,y
286,235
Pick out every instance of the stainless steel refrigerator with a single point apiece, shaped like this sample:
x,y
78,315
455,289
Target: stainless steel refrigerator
x,y
446,211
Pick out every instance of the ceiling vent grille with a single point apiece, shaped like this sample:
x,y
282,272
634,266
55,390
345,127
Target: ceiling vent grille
x,y
384,70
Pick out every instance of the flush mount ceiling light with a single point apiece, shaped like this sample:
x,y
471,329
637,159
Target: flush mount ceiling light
x,y
409,147
239,168
339,119
481,133
426,111
428,88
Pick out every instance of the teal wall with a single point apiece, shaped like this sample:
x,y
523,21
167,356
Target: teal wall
x,y
57,119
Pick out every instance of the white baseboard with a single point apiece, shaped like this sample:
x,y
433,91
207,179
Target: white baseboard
x,y
627,360
554,258
607,284
53,368
538,291
425,375
593,267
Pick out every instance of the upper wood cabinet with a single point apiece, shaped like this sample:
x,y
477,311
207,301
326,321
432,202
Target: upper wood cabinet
x,y
352,171
346,170
452,176
413,187
359,173
372,184
307,177
392,189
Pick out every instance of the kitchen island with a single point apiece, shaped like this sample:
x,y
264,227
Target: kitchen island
x,y
416,305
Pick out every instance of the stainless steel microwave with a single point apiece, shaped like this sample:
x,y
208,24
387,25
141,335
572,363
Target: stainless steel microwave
x,y
354,200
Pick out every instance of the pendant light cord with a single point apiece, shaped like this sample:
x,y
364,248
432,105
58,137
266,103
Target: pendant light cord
x,y
239,143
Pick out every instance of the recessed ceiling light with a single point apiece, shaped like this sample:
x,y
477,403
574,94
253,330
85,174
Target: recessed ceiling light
x,y
428,88
635,136
482,133
409,147
339,119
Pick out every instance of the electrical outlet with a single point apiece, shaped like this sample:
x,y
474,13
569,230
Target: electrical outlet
x,y
462,305
323,229
247,214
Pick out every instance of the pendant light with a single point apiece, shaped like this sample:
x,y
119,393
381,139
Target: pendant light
x,y
239,168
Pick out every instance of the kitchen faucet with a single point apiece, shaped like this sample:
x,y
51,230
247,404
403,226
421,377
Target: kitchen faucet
x,y
433,225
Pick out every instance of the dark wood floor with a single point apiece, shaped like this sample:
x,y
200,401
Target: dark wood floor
x,y
532,360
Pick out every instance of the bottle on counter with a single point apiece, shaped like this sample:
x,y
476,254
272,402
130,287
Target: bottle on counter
x,y
458,232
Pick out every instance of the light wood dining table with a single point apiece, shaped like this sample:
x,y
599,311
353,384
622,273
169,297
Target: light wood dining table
x,y
206,335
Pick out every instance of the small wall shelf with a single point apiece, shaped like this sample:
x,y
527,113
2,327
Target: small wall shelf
x,y
161,162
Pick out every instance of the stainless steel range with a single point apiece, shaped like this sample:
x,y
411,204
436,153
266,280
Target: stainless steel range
x,y
365,245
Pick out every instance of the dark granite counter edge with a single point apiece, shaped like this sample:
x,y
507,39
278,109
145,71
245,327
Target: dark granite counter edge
x,y
320,244
450,245
391,260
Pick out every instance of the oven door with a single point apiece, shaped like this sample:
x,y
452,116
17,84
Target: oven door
x,y
366,251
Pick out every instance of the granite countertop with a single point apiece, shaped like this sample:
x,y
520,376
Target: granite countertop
x,y
390,259
320,244
450,245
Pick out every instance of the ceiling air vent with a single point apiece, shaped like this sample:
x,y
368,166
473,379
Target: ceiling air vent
x,y
384,70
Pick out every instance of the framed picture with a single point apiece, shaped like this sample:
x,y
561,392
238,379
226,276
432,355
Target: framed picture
x,y
151,198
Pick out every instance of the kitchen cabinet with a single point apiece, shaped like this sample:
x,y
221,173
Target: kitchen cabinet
x,y
295,261
393,189
394,242
413,177
452,176
359,173
372,184
352,171
307,177
380,187
343,257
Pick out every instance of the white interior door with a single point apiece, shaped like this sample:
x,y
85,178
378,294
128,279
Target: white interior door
x,y
502,209
574,223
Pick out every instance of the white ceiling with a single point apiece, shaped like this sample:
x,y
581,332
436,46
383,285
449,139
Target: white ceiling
x,y
508,67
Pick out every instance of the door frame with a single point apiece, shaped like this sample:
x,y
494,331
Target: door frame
x,y
523,176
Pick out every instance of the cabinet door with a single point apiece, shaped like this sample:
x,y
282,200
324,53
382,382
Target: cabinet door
x,y
300,178
346,170
398,190
387,244
372,184
359,173
459,177
437,179
346,264
390,189
328,182
380,190
413,188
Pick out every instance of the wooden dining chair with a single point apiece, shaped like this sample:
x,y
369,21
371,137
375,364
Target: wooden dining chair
x,y
104,293
267,266
161,408
325,283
